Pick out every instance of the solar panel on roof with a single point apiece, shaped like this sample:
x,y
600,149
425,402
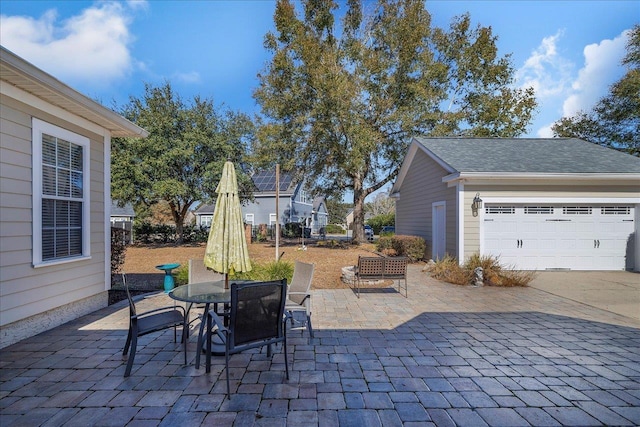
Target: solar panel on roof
x,y
266,181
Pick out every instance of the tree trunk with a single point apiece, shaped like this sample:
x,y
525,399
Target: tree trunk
x,y
178,220
358,211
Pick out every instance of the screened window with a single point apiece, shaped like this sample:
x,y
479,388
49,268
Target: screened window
x,y
61,176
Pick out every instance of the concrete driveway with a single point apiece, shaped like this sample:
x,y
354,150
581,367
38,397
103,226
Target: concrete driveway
x,y
614,291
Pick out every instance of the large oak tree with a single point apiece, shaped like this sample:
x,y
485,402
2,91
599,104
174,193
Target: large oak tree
x,y
181,160
615,120
341,99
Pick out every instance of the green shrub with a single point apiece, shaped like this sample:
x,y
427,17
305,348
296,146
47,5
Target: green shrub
x,y
385,245
181,275
274,270
334,229
379,221
412,247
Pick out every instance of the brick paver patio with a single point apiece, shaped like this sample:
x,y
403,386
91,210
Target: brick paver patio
x,y
446,356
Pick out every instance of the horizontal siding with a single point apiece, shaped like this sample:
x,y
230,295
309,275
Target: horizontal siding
x,y
26,291
471,223
422,186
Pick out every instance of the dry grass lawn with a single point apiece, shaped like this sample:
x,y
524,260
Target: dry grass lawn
x,y
328,261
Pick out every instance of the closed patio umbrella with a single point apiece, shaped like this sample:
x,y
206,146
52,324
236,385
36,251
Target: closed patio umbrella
x,y
226,250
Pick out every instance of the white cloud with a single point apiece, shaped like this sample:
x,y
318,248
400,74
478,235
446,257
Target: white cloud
x,y
545,131
192,77
545,70
601,69
91,47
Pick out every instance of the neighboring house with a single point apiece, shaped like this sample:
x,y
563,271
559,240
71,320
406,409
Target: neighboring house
x,y
122,214
54,200
295,204
204,215
540,203
349,219
122,218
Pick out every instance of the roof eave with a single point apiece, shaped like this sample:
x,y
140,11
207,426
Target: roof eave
x,y
16,70
511,176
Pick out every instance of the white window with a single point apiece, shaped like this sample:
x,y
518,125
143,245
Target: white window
x,y
60,194
205,220
249,219
272,219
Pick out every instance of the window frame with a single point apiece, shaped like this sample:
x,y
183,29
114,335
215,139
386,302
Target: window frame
x,y
38,128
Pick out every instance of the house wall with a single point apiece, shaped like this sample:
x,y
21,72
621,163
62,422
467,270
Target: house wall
x,y
421,187
549,192
263,206
37,299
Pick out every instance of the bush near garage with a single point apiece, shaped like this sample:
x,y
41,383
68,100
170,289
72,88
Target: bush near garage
x,y
412,247
449,270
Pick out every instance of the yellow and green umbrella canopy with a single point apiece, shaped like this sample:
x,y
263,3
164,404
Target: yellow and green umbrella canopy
x,y
226,250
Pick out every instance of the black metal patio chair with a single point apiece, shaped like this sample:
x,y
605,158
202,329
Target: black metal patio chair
x,y
256,320
152,321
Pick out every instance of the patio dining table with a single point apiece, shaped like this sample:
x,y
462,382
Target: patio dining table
x,y
206,293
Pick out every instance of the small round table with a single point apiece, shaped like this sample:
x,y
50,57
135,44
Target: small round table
x,y
206,293
168,278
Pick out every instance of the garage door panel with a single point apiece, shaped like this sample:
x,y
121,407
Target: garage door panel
x,y
559,237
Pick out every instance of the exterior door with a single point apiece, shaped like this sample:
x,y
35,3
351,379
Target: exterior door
x,y
439,231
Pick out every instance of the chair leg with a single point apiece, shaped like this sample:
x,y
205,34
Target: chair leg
x,y
309,327
226,368
127,343
132,355
286,357
185,338
200,335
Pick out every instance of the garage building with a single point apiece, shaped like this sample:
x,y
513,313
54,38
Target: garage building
x,y
538,204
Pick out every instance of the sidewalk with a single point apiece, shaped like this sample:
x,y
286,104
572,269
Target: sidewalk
x,y
445,356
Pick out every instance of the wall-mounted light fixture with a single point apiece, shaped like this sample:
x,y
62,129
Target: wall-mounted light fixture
x,y
476,205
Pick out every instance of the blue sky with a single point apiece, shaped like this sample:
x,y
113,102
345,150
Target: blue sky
x,y
569,51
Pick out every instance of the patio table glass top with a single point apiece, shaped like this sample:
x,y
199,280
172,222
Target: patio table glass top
x,y
202,293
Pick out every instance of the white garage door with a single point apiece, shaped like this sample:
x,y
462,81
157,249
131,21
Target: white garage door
x,y
577,237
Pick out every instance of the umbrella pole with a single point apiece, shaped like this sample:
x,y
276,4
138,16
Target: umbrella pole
x,y
226,280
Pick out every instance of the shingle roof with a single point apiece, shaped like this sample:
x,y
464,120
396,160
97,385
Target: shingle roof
x,y
205,209
265,181
529,155
126,210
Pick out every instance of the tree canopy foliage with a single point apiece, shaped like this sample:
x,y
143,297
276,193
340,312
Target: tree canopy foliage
x,y
181,160
342,99
614,121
